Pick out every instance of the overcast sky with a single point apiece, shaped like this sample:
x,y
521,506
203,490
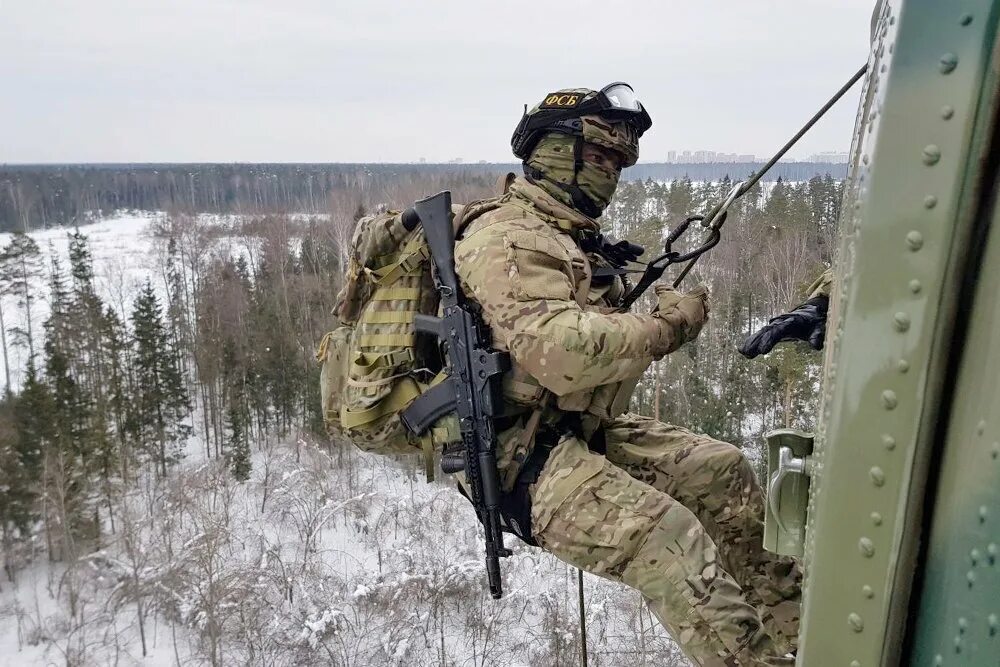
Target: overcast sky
x,y
382,81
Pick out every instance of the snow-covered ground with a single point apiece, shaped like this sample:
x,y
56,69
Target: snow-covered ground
x,y
326,556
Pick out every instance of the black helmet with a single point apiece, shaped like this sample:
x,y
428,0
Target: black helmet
x,y
562,110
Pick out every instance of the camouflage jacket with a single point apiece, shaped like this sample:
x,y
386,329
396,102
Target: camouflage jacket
x,y
822,286
518,258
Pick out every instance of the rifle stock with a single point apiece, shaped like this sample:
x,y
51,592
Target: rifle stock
x,y
435,216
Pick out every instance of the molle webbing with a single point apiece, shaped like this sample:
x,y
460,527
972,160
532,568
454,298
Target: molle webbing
x,y
383,371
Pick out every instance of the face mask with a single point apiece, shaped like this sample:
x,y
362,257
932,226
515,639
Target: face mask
x,y
598,183
553,157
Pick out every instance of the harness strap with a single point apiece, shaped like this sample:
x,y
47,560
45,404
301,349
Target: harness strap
x,y
516,505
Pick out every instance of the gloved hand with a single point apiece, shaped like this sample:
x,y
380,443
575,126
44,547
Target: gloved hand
x,y
682,314
807,322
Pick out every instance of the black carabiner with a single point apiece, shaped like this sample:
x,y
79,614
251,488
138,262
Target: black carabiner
x,y
655,269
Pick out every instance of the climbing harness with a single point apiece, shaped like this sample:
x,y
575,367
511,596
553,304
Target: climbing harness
x,y
716,217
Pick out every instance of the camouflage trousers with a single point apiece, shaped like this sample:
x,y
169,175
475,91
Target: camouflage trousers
x,y
678,517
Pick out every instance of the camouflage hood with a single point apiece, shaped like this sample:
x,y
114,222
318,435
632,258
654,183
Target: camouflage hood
x,y
544,206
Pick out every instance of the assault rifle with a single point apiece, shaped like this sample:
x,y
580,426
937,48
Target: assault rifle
x,y
473,387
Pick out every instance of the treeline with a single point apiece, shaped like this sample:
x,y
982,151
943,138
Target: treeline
x,y
35,197
47,196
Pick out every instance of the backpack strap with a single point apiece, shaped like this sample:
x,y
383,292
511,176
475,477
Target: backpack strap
x,y
409,263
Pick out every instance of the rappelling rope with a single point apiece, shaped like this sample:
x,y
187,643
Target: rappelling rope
x,y
717,216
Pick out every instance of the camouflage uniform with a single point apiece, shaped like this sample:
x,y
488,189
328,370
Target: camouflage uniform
x,y
822,286
675,515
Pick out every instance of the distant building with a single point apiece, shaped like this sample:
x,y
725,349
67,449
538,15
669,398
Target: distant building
x,y
709,157
833,157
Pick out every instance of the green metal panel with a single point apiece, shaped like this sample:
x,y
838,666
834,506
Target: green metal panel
x,y
959,613
917,157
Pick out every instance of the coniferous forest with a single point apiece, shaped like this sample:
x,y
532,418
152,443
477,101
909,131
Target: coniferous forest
x,y
166,487
40,196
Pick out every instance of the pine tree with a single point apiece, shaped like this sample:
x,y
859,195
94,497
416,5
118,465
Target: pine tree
x,y
20,271
162,406
22,424
239,447
177,313
69,457
119,388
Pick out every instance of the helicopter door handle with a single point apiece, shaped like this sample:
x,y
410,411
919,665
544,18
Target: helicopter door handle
x,y
787,463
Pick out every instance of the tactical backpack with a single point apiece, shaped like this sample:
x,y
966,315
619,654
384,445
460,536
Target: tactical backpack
x,y
373,365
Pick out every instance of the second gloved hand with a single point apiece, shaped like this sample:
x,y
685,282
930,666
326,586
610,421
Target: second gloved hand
x,y
683,316
807,322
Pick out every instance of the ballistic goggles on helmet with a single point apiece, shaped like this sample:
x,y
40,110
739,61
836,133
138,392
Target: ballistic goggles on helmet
x,y
616,102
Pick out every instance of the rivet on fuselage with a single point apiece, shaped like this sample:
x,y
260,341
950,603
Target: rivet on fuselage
x,y
914,240
994,623
947,112
888,442
981,427
932,154
901,322
948,63
970,577
855,663
915,286
963,625
866,547
855,622
974,556
868,592
991,553
930,201
889,399
903,366
983,512
965,20
877,476
876,518
995,453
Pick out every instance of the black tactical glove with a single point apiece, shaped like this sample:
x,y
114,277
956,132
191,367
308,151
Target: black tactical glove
x,y
807,322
